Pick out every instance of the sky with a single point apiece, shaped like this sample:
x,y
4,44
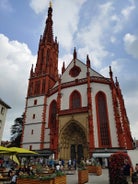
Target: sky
x,y
106,30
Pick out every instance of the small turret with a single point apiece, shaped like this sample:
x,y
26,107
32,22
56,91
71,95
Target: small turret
x,y
116,82
110,72
74,54
88,61
63,68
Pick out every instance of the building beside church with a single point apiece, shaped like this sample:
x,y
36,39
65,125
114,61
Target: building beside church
x,y
75,114
3,112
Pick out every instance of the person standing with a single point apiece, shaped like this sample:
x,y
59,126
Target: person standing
x,y
69,163
126,171
14,177
135,175
74,163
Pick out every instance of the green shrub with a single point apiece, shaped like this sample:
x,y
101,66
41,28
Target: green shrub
x,y
43,178
26,176
39,169
59,173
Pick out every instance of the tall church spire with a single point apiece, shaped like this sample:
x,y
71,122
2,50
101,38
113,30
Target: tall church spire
x,y
48,32
46,70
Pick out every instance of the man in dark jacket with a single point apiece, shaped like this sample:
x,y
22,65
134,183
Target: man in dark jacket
x,y
135,175
126,171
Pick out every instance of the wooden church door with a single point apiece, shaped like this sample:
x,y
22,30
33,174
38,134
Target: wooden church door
x,y
80,152
76,154
73,152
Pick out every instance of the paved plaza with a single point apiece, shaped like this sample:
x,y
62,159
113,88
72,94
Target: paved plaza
x,y
104,178
93,179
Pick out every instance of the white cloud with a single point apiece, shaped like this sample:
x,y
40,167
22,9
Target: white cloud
x,y
39,6
15,63
67,59
66,19
120,18
131,44
126,12
133,128
131,102
115,66
117,22
113,39
92,35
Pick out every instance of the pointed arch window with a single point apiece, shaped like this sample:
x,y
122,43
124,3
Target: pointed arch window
x,y
52,114
102,120
75,100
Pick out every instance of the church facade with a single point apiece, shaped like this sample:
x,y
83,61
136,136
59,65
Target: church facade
x,y
75,114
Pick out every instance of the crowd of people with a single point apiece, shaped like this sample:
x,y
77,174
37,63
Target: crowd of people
x,y
61,165
29,167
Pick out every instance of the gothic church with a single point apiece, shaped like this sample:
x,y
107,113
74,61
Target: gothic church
x,y
76,114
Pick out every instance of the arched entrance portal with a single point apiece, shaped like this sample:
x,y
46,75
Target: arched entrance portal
x,y
73,142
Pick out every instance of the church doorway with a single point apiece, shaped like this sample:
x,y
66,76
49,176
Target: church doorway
x,y
73,142
76,152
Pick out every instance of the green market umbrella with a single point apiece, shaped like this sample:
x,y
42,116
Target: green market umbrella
x,y
17,150
4,150
15,159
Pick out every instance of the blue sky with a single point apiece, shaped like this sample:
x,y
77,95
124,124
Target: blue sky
x,y
107,30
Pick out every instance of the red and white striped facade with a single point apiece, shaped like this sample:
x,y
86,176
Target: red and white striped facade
x,y
75,113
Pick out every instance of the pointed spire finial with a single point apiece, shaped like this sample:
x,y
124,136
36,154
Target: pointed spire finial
x,y
63,68
50,4
48,31
88,61
116,81
110,72
75,54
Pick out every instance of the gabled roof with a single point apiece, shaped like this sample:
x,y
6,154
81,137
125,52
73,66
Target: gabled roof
x,y
66,77
82,68
4,104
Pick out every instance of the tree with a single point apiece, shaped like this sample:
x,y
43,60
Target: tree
x,y
16,132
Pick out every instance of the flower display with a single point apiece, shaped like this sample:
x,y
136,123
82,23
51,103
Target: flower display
x,y
116,164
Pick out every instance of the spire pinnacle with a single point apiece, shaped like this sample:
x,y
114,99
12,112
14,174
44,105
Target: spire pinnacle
x,y
63,68
117,83
74,54
88,61
48,32
110,72
50,4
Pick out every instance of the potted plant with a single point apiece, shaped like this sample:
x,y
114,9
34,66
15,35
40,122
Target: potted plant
x,y
25,178
82,173
94,166
60,178
47,179
35,179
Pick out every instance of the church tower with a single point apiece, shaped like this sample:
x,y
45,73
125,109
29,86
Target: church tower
x,y
77,114
42,78
45,74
